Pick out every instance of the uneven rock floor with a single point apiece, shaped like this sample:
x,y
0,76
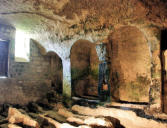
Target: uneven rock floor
x,y
56,115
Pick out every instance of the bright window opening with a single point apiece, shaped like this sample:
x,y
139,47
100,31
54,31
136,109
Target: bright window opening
x,y
22,47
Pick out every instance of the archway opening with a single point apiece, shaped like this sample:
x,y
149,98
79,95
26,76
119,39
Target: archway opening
x,y
84,69
130,65
56,72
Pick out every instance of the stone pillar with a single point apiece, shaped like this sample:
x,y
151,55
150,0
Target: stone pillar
x,y
66,78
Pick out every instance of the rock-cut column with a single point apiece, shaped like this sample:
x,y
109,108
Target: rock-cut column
x,y
67,78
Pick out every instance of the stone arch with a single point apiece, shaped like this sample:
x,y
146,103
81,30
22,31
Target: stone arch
x,y
130,65
56,71
84,68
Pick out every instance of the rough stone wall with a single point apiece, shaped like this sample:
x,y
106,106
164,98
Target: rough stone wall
x,y
57,25
38,68
29,81
153,35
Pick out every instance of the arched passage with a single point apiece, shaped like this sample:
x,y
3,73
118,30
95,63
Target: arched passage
x,y
84,69
130,65
56,71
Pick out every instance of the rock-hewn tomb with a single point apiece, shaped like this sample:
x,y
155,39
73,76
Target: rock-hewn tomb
x,y
83,63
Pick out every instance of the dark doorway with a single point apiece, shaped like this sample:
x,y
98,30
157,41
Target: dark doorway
x,y
4,48
163,57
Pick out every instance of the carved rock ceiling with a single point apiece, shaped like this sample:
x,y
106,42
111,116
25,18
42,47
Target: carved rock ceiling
x,y
63,20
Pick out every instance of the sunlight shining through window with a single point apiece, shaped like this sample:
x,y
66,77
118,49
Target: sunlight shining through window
x,y
22,47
